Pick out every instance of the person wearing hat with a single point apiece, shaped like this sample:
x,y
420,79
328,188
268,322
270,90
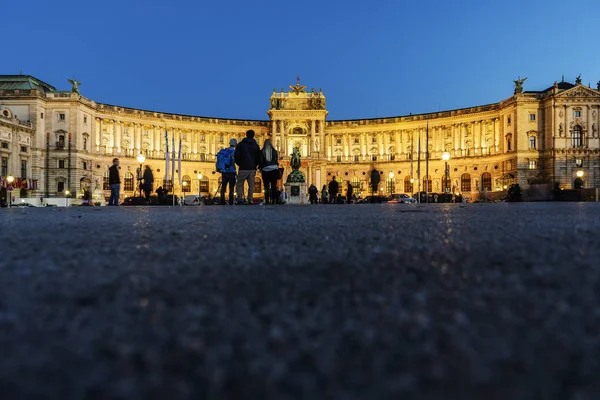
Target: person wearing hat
x,y
226,166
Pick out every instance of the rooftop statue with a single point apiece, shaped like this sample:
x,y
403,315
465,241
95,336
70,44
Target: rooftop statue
x,y
578,80
519,85
298,88
75,85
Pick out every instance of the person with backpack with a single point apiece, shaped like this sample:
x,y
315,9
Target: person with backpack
x,y
333,190
269,167
247,157
226,166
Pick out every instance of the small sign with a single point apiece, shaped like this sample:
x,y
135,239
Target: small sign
x,y
295,191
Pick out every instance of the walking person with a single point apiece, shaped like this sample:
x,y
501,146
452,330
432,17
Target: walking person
x,y
324,194
226,166
148,182
247,158
115,183
333,190
269,167
313,194
349,192
375,179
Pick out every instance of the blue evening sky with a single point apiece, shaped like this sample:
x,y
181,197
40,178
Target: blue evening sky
x,y
372,58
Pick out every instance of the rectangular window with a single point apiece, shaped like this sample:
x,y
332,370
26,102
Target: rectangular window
x,y
356,158
338,141
373,158
338,158
356,141
61,163
23,149
221,139
202,138
4,145
508,120
84,165
60,187
23,169
532,142
41,115
392,157
4,167
61,116
202,157
577,114
204,185
373,140
532,164
85,119
532,117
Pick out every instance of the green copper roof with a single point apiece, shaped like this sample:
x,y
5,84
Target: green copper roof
x,y
24,82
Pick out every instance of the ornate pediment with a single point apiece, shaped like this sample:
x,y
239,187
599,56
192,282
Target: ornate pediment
x,y
579,91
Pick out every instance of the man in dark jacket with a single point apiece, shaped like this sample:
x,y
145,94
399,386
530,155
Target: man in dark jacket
x,y
333,190
247,158
350,191
148,182
115,183
375,179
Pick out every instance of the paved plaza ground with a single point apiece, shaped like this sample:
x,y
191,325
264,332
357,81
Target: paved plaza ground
x,y
476,301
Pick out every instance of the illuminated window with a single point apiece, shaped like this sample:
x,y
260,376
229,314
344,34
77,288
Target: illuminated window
x,y
576,138
408,185
577,114
532,164
465,183
532,142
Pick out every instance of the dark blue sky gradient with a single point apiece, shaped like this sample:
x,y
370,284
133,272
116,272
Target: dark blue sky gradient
x,y
372,58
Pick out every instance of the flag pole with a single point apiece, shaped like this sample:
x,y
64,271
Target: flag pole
x,y
173,167
179,174
427,162
167,157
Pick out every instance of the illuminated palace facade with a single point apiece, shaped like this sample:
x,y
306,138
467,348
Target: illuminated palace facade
x,y
55,141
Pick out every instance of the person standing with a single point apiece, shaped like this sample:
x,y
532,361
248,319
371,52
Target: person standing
x,y
226,166
375,179
115,183
269,166
349,192
148,182
324,194
333,190
313,194
247,157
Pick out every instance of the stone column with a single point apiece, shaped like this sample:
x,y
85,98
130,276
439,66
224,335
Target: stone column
x,y
496,135
322,148
284,149
99,135
313,134
116,137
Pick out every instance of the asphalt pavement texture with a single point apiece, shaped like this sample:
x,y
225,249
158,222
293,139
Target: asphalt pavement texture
x,y
475,301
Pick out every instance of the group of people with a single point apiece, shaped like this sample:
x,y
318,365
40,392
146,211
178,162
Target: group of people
x,y
248,156
330,194
146,183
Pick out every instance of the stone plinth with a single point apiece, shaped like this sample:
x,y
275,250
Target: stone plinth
x,y
296,192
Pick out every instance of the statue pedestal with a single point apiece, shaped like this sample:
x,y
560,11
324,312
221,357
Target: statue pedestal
x,y
296,192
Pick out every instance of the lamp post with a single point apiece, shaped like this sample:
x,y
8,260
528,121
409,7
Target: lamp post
x,y
391,175
10,179
446,157
140,158
67,193
579,174
199,183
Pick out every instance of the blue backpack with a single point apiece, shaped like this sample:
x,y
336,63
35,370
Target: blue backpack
x,y
225,160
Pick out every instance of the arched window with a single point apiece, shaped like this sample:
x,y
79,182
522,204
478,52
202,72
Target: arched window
x,y
258,185
446,185
427,186
186,184
204,184
509,142
128,182
408,185
356,183
578,183
465,183
106,180
532,142
577,138
486,181
392,153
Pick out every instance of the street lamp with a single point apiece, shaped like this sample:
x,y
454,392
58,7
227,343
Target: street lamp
x,y
10,179
446,157
140,158
579,174
67,193
391,175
